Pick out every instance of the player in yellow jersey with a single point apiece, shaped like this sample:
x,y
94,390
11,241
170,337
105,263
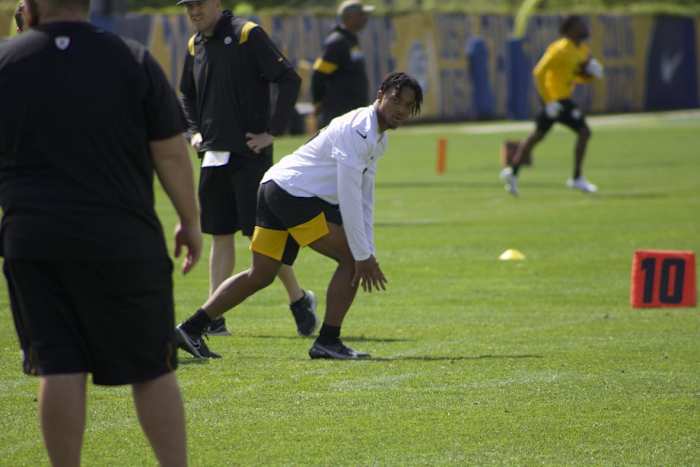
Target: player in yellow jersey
x,y
566,63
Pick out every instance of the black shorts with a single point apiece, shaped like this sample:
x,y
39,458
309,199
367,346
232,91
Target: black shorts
x,y
285,222
570,116
228,195
114,319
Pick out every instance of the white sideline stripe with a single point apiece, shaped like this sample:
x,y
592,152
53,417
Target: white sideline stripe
x,y
595,121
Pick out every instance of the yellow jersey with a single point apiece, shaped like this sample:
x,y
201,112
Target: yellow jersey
x,y
559,69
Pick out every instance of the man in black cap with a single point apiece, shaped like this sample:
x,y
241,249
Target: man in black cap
x,y
225,84
339,81
19,16
87,119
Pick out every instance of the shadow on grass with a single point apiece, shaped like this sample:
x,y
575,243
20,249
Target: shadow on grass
x,y
632,195
398,358
453,358
496,185
193,361
346,339
290,338
375,339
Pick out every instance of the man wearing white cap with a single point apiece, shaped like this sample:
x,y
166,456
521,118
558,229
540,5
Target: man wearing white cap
x,y
339,82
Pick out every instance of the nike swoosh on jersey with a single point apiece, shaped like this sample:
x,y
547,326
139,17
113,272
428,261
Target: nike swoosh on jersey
x,y
669,66
361,135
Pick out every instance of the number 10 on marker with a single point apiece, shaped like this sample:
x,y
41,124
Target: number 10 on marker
x,y
663,279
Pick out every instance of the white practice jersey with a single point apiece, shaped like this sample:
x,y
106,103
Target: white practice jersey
x,y
339,166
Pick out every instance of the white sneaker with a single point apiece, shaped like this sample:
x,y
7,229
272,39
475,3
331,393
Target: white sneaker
x,y
510,180
582,184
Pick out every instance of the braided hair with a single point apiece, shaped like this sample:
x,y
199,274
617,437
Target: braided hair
x,y
398,80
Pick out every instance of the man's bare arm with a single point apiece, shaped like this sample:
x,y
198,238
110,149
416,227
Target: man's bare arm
x,y
174,169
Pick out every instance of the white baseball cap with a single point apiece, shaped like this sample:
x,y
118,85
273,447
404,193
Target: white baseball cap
x,y
354,5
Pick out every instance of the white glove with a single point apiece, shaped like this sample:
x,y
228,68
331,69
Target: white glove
x,y
552,109
594,68
196,141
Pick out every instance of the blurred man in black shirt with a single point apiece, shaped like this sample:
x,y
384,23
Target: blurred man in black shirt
x,y
87,118
339,81
225,84
19,16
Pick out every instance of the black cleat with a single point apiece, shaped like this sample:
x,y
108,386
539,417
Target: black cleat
x,y
217,328
337,351
193,344
304,311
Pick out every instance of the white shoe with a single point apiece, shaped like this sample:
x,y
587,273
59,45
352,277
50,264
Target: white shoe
x,y
510,180
582,184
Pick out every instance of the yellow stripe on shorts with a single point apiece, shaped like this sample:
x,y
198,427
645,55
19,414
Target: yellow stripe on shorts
x,y
310,231
269,242
327,68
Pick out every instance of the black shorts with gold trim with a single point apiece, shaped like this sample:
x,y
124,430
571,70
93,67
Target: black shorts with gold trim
x,y
66,313
284,223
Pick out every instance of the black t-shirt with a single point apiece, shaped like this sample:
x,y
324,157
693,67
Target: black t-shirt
x,y
339,81
78,107
226,86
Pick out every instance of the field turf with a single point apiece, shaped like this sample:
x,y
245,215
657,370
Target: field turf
x,y
478,361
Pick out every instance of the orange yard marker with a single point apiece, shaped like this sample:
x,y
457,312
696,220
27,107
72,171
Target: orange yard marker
x,y
441,164
662,278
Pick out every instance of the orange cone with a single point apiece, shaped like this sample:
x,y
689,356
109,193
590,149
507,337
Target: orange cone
x,y
441,164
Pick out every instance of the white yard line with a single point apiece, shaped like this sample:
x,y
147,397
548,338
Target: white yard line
x,y
635,119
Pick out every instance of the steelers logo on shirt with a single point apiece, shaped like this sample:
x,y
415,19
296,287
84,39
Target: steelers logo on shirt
x,y
62,42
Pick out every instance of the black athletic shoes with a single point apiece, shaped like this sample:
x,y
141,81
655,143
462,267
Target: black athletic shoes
x,y
304,311
337,351
217,328
193,344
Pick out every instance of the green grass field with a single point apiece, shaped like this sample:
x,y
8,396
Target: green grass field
x,y
478,361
